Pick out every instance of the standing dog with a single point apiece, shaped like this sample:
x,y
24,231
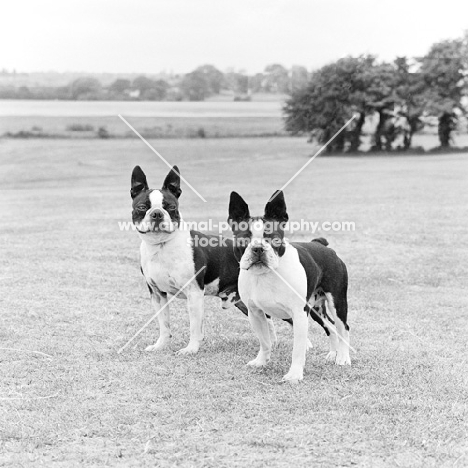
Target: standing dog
x,y
288,281
171,254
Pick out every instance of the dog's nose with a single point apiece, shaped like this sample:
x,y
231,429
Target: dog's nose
x,y
257,249
157,215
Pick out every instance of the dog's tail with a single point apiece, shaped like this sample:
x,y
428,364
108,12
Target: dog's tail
x,y
321,240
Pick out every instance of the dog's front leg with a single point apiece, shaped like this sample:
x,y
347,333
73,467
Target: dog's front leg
x,y
300,329
260,325
195,306
271,328
158,302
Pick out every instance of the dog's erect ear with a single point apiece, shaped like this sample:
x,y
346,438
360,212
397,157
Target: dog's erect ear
x,y
238,209
172,182
276,208
138,183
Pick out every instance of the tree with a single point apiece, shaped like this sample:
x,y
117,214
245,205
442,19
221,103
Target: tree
x,y
202,82
334,94
195,87
409,91
443,71
381,99
256,83
237,82
142,84
157,92
119,86
85,88
276,79
299,77
150,90
213,77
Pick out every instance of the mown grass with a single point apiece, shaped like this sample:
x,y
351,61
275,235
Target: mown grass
x,y
149,127
71,288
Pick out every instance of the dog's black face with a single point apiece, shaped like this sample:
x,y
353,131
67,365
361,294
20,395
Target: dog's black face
x,y
258,241
155,211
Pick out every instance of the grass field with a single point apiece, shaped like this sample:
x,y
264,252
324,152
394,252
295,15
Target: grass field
x,y
71,288
53,119
149,127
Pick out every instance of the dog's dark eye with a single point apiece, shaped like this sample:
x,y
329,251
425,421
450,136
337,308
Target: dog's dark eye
x,y
274,241
141,208
241,242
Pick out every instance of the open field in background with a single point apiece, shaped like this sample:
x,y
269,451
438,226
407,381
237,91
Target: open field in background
x,y
174,120
64,119
71,288
208,119
189,127
149,127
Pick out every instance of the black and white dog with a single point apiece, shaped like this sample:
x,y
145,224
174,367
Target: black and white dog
x,y
288,281
171,254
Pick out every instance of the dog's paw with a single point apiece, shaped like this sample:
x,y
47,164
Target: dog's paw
x,y
257,362
294,376
342,359
158,346
189,349
331,356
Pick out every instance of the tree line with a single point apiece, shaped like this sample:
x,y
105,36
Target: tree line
x,y
198,85
399,96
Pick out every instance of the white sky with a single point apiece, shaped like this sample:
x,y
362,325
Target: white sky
x,y
178,35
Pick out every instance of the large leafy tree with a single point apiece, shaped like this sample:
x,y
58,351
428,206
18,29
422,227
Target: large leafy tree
x,y
443,70
299,77
85,88
213,77
142,84
334,94
202,82
119,87
150,90
409,91
256,82
237,82
276,79
194,87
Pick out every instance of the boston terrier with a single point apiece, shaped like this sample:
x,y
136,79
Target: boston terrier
x,y
171,254
288,280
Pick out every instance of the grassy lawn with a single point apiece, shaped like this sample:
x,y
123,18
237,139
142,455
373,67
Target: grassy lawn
x,y
149,127
71,288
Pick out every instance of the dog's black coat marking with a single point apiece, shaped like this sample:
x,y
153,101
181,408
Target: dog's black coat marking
x,y
217,256
321,240
325,270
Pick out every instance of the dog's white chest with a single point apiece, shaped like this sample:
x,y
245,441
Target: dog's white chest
x,y
168,266
277,292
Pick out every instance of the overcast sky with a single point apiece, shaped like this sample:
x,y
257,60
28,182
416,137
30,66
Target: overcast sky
x,y
178,35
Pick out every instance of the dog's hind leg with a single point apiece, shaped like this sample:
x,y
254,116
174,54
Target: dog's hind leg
x,y
158,302
338,307
319,314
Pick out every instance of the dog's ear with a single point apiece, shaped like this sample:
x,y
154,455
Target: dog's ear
x,y
238,209
276,207
172,182
138,183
